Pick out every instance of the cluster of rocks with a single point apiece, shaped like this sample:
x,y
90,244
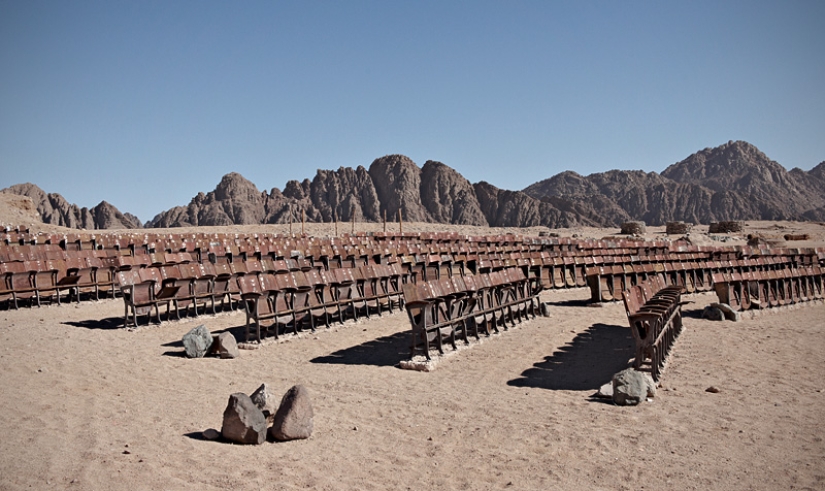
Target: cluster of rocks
x,y
678,228
728,227
199,342
246,418
633,228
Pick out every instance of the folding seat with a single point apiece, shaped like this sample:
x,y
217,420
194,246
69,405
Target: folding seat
x,y
202,278
558,272
421,310
140,296
256,305
20,277
301,301
223,284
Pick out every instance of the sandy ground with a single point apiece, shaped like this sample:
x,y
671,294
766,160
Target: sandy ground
x,y
87,405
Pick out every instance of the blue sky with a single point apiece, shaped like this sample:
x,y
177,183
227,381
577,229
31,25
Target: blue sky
x,y
143,104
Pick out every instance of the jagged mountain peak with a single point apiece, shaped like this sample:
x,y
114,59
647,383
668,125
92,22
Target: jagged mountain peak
x,y
234,185
724,167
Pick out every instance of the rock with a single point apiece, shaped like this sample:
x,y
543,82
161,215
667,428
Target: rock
x,y
713,313
211,434
730,314
227,346
712,390
243,421
197,342
294,417
634,228
448,196
265,400
605,391
630,387
544,309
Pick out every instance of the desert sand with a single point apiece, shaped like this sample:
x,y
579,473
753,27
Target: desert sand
x,y
88,405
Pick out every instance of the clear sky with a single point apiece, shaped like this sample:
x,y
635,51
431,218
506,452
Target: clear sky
x,y
145,103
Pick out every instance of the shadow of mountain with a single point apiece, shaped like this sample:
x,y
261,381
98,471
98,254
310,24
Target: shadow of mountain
x,y
586,363
385,351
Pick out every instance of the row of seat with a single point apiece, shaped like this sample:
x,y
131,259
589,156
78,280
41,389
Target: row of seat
x,y
744,290
653,309
451,308
299,299
608,282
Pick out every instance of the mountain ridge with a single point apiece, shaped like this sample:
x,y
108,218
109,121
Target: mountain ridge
x,y
733,181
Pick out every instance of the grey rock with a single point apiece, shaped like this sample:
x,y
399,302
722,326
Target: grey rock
x,y
243,421
294,417
730,314
264,399
713,314
227,346
630,387
605,391
197,342
211,434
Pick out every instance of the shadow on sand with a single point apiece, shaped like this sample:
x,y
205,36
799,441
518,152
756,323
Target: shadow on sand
x,y
586,363
108,323
385,351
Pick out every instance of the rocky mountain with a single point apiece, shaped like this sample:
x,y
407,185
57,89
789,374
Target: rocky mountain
x,y
734,181
434,193
54,209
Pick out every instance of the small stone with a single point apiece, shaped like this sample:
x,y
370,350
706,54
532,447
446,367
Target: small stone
x,y
211,434
712,390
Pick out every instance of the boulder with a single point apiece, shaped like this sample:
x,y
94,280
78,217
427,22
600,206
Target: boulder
x,y
294,417
630,387
264,399
243,421
197,342
227,346
713,313
728,311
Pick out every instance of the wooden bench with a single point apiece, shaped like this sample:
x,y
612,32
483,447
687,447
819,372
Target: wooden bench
x,y
655,317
